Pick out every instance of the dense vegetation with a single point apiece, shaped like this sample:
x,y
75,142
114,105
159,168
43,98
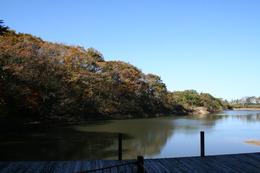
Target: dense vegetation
x,y
191,98
45,80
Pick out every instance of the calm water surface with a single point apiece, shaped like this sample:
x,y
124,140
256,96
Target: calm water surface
x,y
154,138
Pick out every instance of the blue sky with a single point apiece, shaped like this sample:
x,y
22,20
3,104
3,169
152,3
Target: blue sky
x,y
208,45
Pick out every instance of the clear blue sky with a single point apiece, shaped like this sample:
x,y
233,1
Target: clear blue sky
x,y
208,45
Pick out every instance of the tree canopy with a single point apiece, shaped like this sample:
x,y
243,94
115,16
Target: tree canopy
x,y
54,81
3,28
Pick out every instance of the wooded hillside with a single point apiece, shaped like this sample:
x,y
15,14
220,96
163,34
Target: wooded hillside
x,y
46,80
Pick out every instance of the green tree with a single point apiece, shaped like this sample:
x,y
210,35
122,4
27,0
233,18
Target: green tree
x,y
3,29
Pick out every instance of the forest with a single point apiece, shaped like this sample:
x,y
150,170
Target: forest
x,y
41,80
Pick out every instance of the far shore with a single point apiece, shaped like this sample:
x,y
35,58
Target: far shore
x,y
253,142
247,109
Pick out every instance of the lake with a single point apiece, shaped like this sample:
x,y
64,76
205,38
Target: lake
x,y
172,136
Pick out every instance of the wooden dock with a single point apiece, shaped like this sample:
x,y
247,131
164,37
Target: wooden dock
x,y
222,163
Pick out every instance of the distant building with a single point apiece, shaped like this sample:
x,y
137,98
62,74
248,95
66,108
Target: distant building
x,y
247,100
252,100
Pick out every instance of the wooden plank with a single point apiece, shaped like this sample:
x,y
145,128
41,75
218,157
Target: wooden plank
x,y
164,167
213,164
170,166
224,163
15,167
36,167
229,163
199,164
249,160
151,167
3,166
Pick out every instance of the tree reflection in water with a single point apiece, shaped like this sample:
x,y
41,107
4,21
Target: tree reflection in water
x,y
148,136
98,140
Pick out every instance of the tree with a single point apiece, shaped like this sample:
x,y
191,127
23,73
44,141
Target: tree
x,y
95,55
45,80
3,29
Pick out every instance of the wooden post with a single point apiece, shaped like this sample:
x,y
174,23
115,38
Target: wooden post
x,y
140,164
120,146
202,144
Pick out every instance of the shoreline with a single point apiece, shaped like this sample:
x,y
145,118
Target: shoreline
x,y
246,109
194,111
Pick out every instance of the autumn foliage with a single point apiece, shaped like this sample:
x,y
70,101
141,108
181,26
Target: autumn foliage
x,y
54,81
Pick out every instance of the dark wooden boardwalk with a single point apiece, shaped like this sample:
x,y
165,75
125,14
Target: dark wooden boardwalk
x,y
223,163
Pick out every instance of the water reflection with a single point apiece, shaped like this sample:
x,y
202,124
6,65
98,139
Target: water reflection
x,y
56,144
250,116
158,137
149,136
146,136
